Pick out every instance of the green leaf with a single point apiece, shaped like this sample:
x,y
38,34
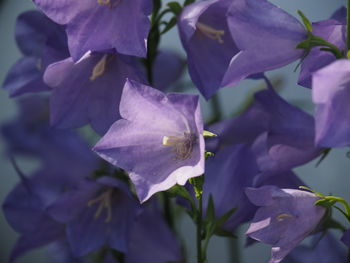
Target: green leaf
x,y
306,21
211,209
169,25
325,203
226,216
181,191
175,7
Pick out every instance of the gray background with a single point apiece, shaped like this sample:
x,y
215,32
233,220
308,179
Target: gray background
x,y
332,176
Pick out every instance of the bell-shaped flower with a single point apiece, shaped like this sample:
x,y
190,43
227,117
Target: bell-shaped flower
x,y
30,135
324,248
155,126
96,214
227,41
333,31
266,36
284,219
284,140
89,91
41,42
331,93
208,43
100,25
229,172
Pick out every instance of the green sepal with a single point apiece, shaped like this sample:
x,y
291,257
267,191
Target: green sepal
x,y
181,191
197,183
175,7
306,21
326,203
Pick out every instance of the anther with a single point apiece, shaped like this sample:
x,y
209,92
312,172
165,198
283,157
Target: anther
x,y
211,32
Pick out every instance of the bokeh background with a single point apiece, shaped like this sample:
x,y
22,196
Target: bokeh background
x,y
332,176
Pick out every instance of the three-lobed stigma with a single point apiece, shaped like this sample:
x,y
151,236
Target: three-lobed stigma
x,y
211,32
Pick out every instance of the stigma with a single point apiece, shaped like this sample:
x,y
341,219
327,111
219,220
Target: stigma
x,y
211,32
104,202
182,146
99,68
282,217
108,3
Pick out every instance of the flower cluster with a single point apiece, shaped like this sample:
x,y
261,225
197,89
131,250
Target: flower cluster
x,y
114,148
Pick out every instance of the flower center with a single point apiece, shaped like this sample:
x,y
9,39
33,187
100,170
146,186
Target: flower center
x,y
104,202
211,32
182,146
109,3
99,68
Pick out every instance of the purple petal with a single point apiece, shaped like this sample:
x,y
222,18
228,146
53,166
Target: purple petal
x,y
266,35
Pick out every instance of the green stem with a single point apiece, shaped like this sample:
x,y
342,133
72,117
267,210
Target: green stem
x,y
234,250
168,211
348,27
199,230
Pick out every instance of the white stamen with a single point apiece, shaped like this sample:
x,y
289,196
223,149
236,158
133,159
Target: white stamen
x,y
211,32
182,146
99,68
104,201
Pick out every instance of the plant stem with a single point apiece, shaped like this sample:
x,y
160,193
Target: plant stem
x,y
168,210
348,27
199,230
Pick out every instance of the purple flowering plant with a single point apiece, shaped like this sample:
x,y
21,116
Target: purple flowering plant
x,y
123,149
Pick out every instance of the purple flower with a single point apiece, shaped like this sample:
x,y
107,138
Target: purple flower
x,y
155,126
25,210
42,42
284,140
30,135
333,31
151,240
89,90
346,238
324,248
167,69
229,41
266,36
102,25
209,46
331,93
229,172
289,140
96,213
284,219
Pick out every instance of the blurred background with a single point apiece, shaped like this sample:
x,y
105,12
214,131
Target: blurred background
x,y
332,176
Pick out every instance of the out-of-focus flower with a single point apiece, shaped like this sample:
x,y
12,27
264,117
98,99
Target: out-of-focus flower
x,y
346,238
324,248
229,172
42,42
102,25
284,219
282,141
89,90
331,93
159,141
96,213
